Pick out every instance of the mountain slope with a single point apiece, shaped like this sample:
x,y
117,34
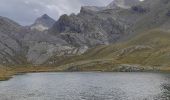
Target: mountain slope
x,y
93,27
21,46
11,48
147,51
157,14
103,27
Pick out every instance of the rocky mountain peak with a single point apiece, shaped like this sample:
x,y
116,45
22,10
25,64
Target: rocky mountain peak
x,y
45,16
43,23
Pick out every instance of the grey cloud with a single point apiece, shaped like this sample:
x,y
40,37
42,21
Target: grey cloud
x,y
26,11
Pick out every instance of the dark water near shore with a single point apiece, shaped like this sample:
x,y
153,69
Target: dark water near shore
x,y
87,86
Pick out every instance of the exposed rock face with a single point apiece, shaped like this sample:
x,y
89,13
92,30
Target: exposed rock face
x,y
98,25
89,28
20,45
11,49
43,23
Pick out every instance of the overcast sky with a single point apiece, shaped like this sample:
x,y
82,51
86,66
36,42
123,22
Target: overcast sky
x,y
26,11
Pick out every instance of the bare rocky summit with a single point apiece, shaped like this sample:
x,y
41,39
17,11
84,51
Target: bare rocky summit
x,y
43,23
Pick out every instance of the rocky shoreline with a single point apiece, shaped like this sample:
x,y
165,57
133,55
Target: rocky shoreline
x,y
136,68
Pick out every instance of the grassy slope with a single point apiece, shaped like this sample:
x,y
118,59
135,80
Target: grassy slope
x,y
147,49
7,72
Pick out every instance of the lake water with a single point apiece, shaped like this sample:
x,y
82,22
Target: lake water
x,y
87,86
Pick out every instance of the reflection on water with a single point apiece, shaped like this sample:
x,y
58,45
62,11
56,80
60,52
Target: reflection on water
x,y
87,86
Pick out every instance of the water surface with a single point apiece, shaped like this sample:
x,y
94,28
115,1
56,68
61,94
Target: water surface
x,y
87,86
